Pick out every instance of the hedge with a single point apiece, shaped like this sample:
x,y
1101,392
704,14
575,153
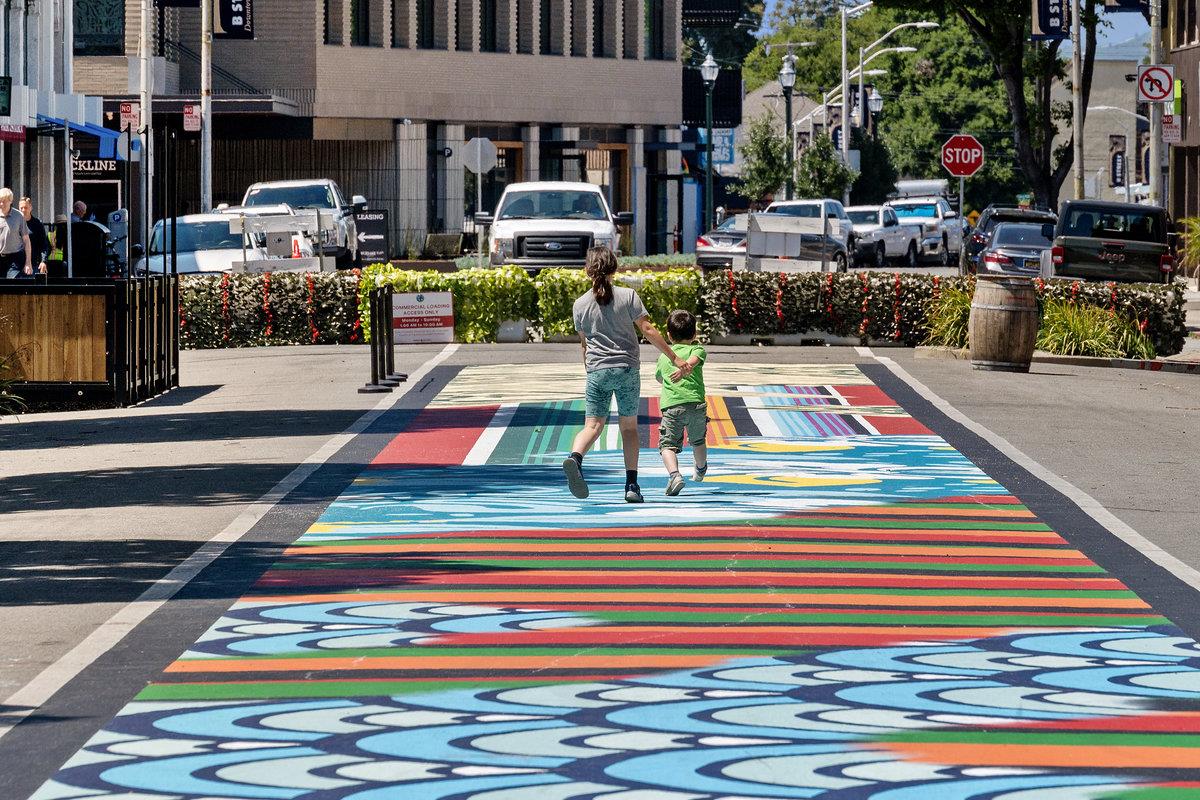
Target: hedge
x,y
327,308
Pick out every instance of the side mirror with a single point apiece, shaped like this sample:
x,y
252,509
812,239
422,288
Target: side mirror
x,y
623,219
137,251
359,202
484,218
951,214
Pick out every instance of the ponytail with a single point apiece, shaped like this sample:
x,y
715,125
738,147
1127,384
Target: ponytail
x,y
600,265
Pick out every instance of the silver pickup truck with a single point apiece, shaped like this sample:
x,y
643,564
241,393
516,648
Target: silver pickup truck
x,y
881,237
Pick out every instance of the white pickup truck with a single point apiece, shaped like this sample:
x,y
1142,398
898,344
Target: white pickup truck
x,y
942,231
881,237
550,224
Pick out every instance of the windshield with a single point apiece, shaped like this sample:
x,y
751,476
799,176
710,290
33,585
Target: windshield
x,y
807,210
730,226
916,210
1133,225
1020,235
863,217
197,236
556,204
315,195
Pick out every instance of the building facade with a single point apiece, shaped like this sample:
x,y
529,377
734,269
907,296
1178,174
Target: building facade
x,y
382,95
1181,43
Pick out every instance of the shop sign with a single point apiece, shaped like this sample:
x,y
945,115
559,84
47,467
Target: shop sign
x,y
12,133
233,19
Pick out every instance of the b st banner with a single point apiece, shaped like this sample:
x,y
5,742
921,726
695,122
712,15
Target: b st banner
x,y
233,19
1051,20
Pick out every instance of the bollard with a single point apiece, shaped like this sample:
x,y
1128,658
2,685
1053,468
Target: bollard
x,y
389,343
377,385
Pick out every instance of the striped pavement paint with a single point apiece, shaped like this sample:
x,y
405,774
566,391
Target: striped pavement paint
x,y
846,608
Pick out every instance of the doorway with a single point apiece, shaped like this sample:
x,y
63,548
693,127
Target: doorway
x,y
664,211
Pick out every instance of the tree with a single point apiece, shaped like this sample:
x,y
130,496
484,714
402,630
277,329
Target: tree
x,y
764,160
820,171
877,176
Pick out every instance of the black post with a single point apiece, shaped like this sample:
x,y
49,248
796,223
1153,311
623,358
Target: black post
x,y
382,328
174,295
791,149
389,347
375,386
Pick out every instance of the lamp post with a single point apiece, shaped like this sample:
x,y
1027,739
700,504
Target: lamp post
x,y
787,80
875,105
861,121
708,73
865,55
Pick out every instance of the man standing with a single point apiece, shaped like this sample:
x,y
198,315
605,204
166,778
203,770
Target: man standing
x,y
37,235
79,212
16,253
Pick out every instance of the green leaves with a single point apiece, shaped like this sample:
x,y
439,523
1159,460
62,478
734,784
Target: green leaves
x,y
820,171
764,160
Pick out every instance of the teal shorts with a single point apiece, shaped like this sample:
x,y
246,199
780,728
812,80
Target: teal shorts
x,y
602,384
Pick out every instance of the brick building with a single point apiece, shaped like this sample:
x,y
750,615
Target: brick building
x,y
381,95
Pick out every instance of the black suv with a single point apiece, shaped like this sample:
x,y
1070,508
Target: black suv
x,y
992,216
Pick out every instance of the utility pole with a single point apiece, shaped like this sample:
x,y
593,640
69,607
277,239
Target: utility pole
x,y
147,92
206,143
1077,98
845,107
1156,111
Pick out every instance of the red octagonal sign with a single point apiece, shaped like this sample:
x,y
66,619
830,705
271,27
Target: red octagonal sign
x,y
962,155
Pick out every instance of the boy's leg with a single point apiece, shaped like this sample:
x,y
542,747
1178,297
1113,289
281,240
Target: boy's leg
x,y
670,460
701,461
697,436
670,442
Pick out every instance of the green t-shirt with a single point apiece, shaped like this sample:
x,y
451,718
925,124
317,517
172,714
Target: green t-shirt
x,y
690,389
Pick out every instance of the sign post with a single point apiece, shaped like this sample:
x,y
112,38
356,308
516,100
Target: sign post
x,y
480,158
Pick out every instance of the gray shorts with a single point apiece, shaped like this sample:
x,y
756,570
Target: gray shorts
x,y
690,417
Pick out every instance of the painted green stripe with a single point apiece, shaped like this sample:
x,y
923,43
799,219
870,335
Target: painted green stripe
x,y
1155,793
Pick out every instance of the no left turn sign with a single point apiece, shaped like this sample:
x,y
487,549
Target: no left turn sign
x,y
1156,83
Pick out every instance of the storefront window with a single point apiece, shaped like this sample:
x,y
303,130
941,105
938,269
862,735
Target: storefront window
x,y
100,27
360,22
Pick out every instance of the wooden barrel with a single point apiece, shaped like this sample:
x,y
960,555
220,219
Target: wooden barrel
x,y
1004,323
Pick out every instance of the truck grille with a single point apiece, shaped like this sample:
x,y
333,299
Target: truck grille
x,y
572,248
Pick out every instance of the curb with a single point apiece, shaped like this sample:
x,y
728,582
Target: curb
x,y
1150,365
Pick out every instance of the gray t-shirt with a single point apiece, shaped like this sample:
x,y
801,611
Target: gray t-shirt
x,y
611,338
12,228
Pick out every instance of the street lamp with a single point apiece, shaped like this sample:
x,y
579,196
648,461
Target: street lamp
x,y
863,62
874,105
787,80
708,73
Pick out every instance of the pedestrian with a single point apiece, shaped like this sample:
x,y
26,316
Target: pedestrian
x,y
682,403
37,235
607,318
16,254
80,213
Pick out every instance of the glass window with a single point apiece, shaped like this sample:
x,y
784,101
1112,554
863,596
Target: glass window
x,y
1104,223
425,12
806,210
316,195
487,26
99,27
564,204
545,25
655,28
866,217
360,22
195,236
916,210
1020,234
598,15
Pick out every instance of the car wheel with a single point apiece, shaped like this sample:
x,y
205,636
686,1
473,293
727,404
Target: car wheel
x,y
944,255
880,256
839,263
911,259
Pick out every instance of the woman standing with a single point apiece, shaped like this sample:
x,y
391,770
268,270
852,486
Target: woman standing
x,y
607,319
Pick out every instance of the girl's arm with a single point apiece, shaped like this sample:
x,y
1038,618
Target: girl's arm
x,y
655,338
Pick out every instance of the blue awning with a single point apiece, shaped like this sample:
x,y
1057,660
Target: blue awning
x,y
108,138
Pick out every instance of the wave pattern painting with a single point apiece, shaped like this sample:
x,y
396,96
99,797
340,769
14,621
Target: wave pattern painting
x,y
846,608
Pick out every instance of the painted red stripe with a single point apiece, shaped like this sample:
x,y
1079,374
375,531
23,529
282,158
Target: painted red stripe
x,y
436,437
898,426
867,395
655,420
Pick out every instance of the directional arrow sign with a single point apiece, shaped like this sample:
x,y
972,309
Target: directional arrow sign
x,y
1156,83
372,236
364,236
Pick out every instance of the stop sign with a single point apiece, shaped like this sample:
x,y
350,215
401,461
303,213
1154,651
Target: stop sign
x,y
962,155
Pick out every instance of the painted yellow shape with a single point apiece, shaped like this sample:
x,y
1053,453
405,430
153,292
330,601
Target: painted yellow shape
x,y
777,446
789,481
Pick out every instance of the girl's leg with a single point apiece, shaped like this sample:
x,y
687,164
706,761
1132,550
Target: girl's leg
x,y
630,441
587,436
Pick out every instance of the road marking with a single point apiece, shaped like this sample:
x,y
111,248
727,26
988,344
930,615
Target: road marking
x,y
485,445
1088,504
32,695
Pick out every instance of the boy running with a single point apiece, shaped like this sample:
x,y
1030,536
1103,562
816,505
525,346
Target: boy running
x,y
683,405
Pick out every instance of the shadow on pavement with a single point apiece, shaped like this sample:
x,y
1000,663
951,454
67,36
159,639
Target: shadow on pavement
x,y
181,396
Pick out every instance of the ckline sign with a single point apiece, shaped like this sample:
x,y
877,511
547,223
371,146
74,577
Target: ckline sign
x,y
962,155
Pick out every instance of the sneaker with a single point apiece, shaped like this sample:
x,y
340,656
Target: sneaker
x,y
675,485
699,473
575,481
633,494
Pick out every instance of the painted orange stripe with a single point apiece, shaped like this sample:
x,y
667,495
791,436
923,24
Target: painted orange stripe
x,y
424,663
1111,755
890,600
720,425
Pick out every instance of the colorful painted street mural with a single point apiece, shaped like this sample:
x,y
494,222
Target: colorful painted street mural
x,y
846,608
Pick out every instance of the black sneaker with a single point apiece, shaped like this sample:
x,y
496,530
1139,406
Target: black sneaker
x,y
699,472
633,494
575,481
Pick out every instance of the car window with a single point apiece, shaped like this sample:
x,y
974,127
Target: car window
x,y
889,216
863,217
728,226
553,204
916,210
806,210
316,195
1132,225
1019,234
195,236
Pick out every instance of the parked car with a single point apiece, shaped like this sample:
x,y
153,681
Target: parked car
x,y
1103,241
724,247
1016,248
550,224
839,239
280,244
880,236
320,193
942,237
992,216
203,244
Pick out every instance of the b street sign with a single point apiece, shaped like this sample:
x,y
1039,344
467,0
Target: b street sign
x,y
233,19
372,227
1051,20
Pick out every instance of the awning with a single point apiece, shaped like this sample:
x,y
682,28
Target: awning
x,y
108,138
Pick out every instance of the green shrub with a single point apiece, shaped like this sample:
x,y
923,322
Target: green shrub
x,y
1156,309
662,292
1070,329
626,262
949,318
